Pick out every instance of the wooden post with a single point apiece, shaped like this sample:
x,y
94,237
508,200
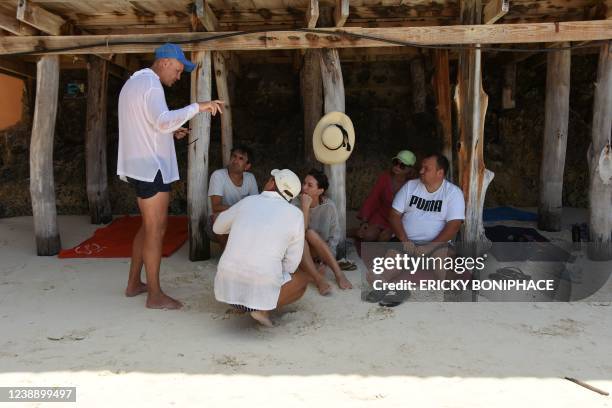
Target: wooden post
x,y
42,187
419,93
95,142
333,91
197,178
600,161
443,105
221,74
555,139
311,89
471,101
312,13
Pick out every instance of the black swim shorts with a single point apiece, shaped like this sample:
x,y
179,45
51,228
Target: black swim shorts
x,y
147,189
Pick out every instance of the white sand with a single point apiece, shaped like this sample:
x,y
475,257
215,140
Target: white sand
x,y
66,323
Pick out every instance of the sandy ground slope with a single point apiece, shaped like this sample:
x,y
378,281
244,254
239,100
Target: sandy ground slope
x,y
64,322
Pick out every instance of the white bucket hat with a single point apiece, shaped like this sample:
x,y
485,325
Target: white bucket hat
x,y
287,183
333,139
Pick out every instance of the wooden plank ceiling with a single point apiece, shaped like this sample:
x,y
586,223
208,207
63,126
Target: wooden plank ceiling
x,y
148,16
124,16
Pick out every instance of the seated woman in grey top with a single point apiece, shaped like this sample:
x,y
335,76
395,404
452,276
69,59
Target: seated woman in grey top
x,y
322,231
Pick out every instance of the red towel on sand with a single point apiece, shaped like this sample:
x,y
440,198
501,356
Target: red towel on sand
x,y
115,240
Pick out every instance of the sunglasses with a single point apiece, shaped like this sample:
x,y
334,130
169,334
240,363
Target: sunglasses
x,y
397,162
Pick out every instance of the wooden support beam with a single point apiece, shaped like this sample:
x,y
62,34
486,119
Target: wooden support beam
x,y
333,95
311,89
95,136
509,87
341,12
221,75
555,140
15,67
197,177
42,187
210,23
95,142
441,80
419,91
40,18
458,34
494,10
312,13
82,62
206,15
12,25
600,161
471,101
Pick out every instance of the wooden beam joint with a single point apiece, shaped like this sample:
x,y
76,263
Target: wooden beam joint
x,y
312,14
14,26
341,12
494,10
206,15
40,18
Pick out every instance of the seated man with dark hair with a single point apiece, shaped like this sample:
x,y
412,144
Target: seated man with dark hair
x,y
426,215
229,185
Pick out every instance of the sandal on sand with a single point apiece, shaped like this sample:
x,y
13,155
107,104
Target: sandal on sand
x,y
347,265
394,298
375,296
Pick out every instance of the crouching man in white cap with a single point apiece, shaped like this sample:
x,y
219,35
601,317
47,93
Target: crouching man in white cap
x,y
258,271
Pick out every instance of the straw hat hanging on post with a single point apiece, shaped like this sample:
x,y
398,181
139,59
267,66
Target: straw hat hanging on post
x,y
333,139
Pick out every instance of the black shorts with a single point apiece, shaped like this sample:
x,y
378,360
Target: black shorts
x,y
147,189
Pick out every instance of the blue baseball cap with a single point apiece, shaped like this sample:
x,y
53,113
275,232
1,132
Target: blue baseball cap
x,y
169,50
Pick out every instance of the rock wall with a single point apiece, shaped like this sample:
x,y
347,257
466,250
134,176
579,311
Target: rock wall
x,y
267,116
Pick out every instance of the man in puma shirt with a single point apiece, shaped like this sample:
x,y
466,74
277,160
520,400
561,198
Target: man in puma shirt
x,y
429,209
425,216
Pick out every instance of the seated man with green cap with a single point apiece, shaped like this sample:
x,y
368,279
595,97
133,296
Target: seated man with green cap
x,y
374,213
426,215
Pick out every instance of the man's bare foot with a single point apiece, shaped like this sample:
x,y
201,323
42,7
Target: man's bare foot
x,y
262,317
135,290
343,283
321,269
323,287
163,301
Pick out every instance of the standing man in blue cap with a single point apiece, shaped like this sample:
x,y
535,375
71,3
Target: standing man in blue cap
x,y
147,160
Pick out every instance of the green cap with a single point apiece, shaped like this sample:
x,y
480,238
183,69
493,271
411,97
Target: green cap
x,y
406,157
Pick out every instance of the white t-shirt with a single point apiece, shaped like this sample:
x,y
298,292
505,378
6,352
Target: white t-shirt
x,y
146,126
221,185
425,214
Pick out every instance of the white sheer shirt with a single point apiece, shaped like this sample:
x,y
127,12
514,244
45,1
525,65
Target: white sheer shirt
x,y
146,128
265,245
